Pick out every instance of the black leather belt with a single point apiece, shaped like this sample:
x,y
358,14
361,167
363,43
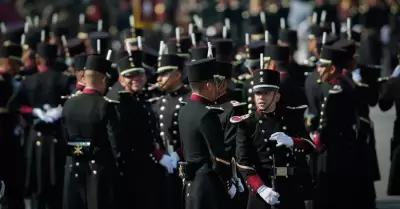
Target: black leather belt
x,y
78,149
188,171
284,171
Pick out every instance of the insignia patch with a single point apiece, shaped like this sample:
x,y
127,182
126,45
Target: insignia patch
x,y
236,103
238,119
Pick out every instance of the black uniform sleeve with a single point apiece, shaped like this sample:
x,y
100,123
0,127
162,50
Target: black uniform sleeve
x,y
19,102
245,163
211,130
386,100
113,130
312,113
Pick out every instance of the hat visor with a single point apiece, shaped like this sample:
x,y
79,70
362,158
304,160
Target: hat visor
x,y
264,89
323,63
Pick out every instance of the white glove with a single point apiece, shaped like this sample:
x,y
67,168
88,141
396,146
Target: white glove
x,y
167,162
240,186
2,189
282,139
268,195
54,114
396,72
356,76
232,191
175,158
37,112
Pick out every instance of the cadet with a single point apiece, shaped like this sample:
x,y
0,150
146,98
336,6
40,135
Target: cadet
x,y
90,124
144,148
389,96
10,148
78,67
335,135
269,171
203,143
252,63
167,107
39,96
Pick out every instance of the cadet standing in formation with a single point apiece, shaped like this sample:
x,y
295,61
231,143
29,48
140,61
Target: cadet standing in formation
x,y
307,135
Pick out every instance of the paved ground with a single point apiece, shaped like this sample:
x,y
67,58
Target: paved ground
x,y
383,122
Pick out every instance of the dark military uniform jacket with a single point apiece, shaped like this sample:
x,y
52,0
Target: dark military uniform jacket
x,y
259,159
90,129
203,149
167,109
247,95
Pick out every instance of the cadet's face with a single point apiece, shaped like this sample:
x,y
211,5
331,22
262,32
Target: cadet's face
x,y
4,65
324,71
266,101
167,80
312,44
135,82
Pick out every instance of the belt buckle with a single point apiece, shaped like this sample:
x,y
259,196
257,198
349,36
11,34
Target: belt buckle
x,y
78,150
281,171
182,170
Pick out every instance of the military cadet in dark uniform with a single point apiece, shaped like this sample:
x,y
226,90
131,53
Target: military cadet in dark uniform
x,y
90,129
252,63
10,148
144,148
167,108
207,169
264,152
78,66
40,96
390,96
332,118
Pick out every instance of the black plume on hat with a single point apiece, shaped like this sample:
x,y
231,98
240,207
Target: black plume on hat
x,y
47,51
202,70
266,80
98,63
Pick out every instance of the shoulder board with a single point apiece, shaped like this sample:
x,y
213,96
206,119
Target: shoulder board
x,y
336,90
238,119
382,79
123,92
110,100
66,97
244,76
182,102
215,109
297,107
236,103
154,99
361,84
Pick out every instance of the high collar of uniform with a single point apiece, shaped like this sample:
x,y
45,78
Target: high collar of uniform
x,y
88,90
222,99
199,98
283,74
178,91
346,73
262,113
79,86
43,68
336,80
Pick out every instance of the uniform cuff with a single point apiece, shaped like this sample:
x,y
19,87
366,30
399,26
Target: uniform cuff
x,y
157,155
255,182
26,109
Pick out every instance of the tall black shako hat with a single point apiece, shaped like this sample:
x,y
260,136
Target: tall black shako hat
x,y
11,50
105,41
79,62
277,53
253,51
169,62
75,46
47,51
202,70
224,69
331,55
98,63
223,48
266,80
200,52
131,64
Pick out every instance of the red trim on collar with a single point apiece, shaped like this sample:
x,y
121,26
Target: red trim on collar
x,y
196,97
79,86
90,91
25,109
346,73
42,68
284,75
28,63
336,80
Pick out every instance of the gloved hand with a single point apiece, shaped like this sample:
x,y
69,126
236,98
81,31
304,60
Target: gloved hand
x,y
167,162
268,195
396,72
175,158
282,139
54,114
240,186
2,189
232,191
37,112
356,76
